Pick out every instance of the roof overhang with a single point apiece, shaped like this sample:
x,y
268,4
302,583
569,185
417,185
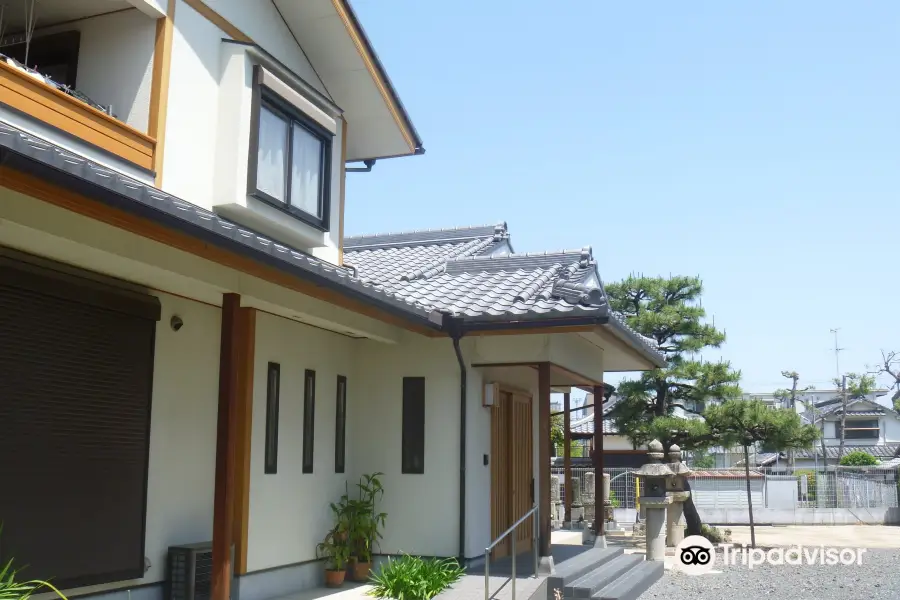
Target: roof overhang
x,y
343,57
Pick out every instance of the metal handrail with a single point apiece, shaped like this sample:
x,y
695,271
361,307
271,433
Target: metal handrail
x,y
534,547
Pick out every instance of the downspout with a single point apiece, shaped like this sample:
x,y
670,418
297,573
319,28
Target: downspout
x,y
456,333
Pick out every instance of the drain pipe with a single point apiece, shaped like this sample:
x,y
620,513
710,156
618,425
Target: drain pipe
x,y
456,333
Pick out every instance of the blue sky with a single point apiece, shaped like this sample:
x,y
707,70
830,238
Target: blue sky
x,y
752,143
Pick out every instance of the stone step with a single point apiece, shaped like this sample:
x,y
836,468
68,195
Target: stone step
x,y
633,583
578,566
602,576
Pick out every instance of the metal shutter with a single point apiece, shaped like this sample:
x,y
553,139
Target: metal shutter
x,y
76,367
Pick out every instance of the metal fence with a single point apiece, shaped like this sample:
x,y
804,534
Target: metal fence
x,y
785,495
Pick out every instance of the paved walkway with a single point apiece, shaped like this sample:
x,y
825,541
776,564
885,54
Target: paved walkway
x,y
834,536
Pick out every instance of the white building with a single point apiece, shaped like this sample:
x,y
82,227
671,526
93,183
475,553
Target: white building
x,y
190,348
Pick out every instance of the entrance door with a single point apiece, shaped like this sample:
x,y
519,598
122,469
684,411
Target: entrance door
x,y
512,474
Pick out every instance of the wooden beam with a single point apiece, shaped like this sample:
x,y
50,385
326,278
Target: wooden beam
x,y
226,438
599,500
544,456
567,456
219,21
246,360
159,87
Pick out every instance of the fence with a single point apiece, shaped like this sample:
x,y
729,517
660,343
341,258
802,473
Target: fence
x,y
780,495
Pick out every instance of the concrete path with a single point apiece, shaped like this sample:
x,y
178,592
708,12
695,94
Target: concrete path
x,y
833,536
349,591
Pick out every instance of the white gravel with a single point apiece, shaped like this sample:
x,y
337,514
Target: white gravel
x,y
878,578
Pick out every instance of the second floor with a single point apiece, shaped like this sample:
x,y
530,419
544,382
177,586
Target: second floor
x,y
251,110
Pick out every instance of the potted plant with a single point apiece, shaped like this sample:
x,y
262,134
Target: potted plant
x,y
335,552
365,525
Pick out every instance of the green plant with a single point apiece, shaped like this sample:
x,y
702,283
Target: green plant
x,y
713,534
613,501
365,522
335,551
414,578
810,483
10,589
858,458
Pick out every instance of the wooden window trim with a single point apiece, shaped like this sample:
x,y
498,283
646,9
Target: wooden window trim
x,y
263,97
67,114
273,393
413,433
340,426
309,420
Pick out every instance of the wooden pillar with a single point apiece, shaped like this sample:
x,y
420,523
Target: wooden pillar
x,y
543,456
567,455
599,499
226,438
246,358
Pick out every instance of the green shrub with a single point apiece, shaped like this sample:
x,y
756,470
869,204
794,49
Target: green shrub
x,y
714,534
858,458
810,483
10,589
414,578
613,501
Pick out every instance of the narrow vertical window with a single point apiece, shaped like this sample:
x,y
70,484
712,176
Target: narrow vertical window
x,y
273,385
309,419
340,425
413,461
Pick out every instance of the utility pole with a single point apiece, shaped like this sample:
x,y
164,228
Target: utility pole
x,y
843,416
837,351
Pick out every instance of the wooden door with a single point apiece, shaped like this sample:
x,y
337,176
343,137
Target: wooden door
x,y
512,475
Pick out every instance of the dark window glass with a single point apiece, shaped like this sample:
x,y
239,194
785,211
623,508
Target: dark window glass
x,y
309,419
413,425
862,429
273,390
340,429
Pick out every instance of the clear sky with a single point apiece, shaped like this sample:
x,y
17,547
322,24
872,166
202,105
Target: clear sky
x,y
756,144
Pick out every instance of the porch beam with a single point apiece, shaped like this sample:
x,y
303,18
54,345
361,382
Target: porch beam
x,y
226,441
599,499
246,360
543,456
567,456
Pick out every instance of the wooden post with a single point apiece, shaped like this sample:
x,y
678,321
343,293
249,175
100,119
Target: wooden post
x,y
567,456
226,438
599,500
543,455
247,357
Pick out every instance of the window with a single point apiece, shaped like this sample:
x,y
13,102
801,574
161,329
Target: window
x,y
273,385
309,419
413,442
340,426
859,429
290,160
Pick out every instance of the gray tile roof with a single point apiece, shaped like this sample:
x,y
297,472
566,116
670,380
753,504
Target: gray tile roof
x,y
585,426
832,409
473,273
884,451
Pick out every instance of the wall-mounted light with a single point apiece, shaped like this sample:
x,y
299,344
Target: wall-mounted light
x,y
491,395
176,323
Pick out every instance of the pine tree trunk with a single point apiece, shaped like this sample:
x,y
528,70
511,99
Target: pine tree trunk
x,y
749,495
691,516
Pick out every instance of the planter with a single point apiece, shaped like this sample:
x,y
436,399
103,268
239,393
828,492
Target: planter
x,y
360,571
334,579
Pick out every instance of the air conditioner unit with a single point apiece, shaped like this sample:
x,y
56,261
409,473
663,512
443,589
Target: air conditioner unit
x,y
190,572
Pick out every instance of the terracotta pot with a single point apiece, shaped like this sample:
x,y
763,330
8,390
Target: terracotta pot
x,y
334,579
361,570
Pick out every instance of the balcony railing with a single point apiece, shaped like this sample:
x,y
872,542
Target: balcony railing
x,y
66,109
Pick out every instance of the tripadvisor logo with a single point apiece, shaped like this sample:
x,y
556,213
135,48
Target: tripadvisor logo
x,y
697,556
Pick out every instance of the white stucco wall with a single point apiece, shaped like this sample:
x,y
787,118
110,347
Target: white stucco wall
x,y
890,429
115,62
289,510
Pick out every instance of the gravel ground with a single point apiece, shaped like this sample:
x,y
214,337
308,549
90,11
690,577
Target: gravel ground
x,y
878,578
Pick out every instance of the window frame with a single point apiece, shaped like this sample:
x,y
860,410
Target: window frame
x,y
340,425
264,97
412,434
862,433
273,396
309,421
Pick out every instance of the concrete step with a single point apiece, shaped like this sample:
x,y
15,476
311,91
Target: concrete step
x,y
587,585
578,566
633,583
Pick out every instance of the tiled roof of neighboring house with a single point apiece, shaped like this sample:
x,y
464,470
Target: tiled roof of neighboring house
x,y
473,273
585,426
832,408
894,462
884,451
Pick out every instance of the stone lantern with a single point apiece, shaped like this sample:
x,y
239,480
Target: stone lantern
x,y
679,495
654,477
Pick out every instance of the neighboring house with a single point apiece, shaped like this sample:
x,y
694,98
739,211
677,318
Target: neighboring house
x,y
190,349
